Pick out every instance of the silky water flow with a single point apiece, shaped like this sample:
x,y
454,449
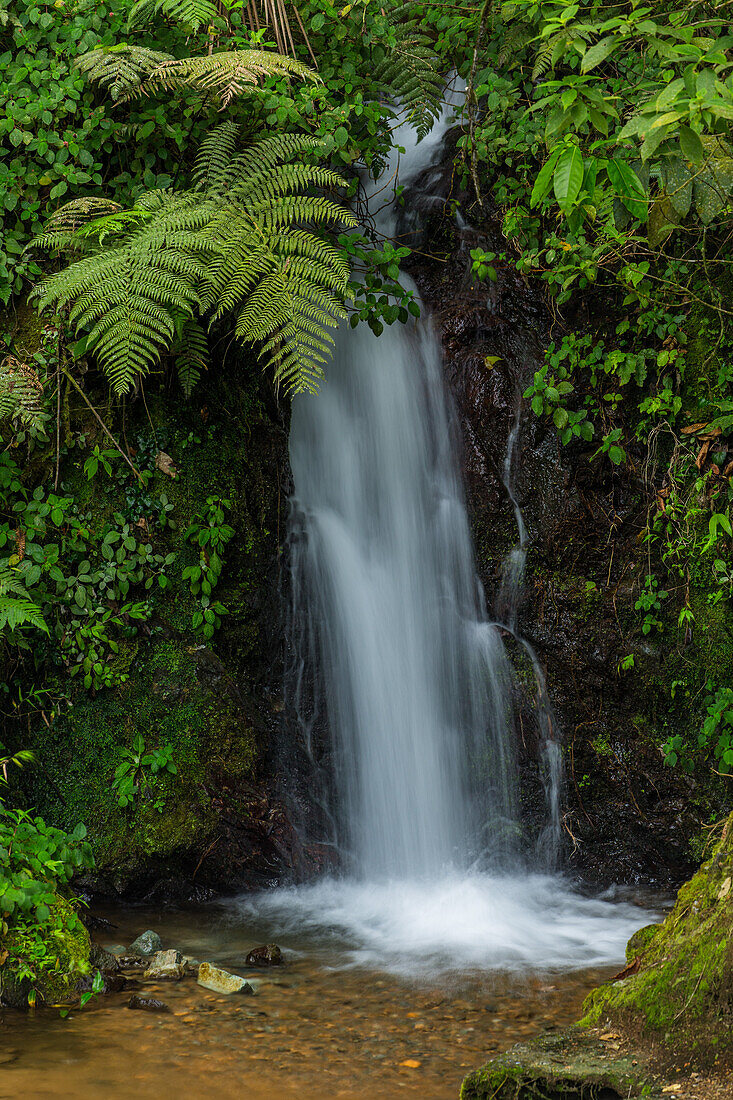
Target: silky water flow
x,y
414,676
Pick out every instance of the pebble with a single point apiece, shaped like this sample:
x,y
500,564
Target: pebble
x,y
148,1004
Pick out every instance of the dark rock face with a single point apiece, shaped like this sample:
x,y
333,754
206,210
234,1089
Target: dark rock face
x,y
626,820
147,1004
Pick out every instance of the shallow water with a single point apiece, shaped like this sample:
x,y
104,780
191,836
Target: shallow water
x,y
321,1026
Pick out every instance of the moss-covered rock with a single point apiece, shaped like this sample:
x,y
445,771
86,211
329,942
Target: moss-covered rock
x,y
679,984
44,962
572,1066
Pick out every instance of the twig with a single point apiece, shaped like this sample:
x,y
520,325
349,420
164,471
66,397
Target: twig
x,y
104,427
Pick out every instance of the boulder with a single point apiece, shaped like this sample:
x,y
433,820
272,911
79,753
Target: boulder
x,y
678,982
166,966
147,943
221,981
267,955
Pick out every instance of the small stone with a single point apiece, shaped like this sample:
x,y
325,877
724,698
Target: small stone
x,y
166,966
146,944
148,1004
221,981
267,955
116,949
132,962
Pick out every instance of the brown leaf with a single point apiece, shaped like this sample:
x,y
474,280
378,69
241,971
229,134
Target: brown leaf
x,y
164,463
627,970
702,454
728,470
3,956
693,428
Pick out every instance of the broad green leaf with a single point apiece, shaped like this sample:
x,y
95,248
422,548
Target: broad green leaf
x,y
627,186
678,185
598,53
568,177
544,179
691,145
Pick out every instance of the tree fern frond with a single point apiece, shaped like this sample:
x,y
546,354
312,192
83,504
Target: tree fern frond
x,y
191,355
242,242
195,13
16,606
224,76
120,69
410,70
20,392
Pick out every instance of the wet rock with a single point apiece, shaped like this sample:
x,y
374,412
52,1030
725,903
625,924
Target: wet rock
x,y
146,944
147,1004
221,981
132,962
166,966
106,961
267,955
116,949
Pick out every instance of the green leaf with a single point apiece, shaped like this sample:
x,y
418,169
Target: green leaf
x,y
628,187
598,53
544,179
691,145
568,177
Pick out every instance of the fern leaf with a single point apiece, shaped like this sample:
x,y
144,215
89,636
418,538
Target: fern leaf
x,y
224,76
410,70
195,13
191,355
17,609
120,69
20,393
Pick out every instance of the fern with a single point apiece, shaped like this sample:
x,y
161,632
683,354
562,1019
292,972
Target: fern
x,y
20,392
235,245
120,69
410,70
191,355
225,76
196,13
17,609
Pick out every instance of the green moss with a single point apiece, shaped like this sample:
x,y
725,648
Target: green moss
x,y
45,962
570,1066
681,990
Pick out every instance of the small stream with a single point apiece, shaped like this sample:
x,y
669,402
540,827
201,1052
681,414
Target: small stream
x,y
320,1026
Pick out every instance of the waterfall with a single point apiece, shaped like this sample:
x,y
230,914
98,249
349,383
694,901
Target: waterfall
x,y
393,653
416,680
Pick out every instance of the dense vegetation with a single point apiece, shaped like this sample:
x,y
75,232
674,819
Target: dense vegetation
x,y
178,174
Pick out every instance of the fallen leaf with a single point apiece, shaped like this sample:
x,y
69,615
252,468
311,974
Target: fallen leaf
x,y
610,1035
411,1063
164,463
702,454
671,1088
627,970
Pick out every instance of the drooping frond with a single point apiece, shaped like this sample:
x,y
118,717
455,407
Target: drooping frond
x,y
20,392
410,70
195,13
16,607
215,155
243,242
120,69
191,355
224,76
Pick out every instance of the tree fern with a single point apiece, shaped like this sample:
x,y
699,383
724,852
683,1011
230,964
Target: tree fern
x,y
410,70
20,392
224,76
195,13
17,609
236,244
120,69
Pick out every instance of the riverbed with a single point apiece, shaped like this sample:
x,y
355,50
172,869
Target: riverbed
x,y
316,1028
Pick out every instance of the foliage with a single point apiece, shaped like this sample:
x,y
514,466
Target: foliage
x,y
134,775
209,533
229,246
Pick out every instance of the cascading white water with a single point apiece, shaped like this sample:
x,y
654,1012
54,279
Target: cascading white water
x,y
414,676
